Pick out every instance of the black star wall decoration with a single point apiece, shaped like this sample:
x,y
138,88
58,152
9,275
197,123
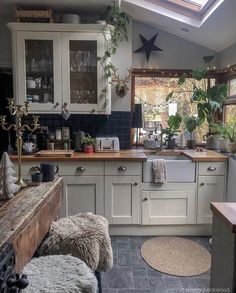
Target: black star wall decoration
x,y
148,46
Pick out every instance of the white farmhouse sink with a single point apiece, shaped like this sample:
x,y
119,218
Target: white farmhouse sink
x,y
178,168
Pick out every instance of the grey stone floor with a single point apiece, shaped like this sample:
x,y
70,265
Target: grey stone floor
x,y
131,274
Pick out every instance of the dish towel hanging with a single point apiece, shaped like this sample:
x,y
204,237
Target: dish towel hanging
x,y
159,171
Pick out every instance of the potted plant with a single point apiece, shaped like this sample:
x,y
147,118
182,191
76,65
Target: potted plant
x,y
209,98
190,124
174,122
227,135
88,142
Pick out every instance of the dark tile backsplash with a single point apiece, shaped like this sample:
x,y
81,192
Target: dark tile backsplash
x,y
116,124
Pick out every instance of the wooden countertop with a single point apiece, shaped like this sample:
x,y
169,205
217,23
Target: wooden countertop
x,y
26,218
204,156
128,155
226,211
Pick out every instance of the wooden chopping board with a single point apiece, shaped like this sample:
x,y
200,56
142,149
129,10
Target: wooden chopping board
x,y
54,153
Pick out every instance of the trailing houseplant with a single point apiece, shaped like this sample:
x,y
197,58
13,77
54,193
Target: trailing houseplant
x,y
114,33
88,141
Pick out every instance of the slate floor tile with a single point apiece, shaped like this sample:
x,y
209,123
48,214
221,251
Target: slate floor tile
x,y
195,282
134,291
130,257
139,272
135,242
173,283
131,274
141,283
153,273
118,277
157,285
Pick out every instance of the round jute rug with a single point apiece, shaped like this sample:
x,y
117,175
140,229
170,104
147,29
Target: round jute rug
x,y
176,256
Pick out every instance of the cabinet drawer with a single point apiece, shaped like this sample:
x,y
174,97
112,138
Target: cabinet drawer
x,y
212,168
81,168
123,168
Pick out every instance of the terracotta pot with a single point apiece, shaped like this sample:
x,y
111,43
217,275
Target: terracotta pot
x,y
88,148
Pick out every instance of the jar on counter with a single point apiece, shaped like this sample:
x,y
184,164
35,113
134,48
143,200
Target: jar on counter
x,y
58,134
65,133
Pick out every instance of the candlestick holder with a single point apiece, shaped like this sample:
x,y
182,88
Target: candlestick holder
x,y
19,111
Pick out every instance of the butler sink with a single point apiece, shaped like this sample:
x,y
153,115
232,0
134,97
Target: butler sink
x,y
178,168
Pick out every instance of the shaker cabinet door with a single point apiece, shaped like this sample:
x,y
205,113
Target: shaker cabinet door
x,y
37,66
210,189
122,199
83,194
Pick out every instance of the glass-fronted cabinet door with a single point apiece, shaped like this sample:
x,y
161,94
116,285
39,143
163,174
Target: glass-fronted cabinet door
x,y
39,70
85,89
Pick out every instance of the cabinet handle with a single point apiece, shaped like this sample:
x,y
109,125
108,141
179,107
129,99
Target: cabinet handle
x,y
135,183
211,168
80,169
56,105
122,168
202,184
145,199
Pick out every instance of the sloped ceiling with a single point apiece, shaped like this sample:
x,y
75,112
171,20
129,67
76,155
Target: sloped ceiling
x,y
217,33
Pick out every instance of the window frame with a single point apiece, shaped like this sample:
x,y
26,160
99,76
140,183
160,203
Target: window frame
x,y
230,99
176,73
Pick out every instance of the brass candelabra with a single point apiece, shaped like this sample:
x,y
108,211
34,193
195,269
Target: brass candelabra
x,y
19,111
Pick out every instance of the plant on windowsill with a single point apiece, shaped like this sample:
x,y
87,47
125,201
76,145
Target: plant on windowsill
x,y
226,135
114,33
88,142
190,124
174,122
209,99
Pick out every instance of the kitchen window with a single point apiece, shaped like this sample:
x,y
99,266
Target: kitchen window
x,y
150,88
230,103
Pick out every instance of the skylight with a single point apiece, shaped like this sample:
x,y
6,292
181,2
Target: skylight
x,y
197,11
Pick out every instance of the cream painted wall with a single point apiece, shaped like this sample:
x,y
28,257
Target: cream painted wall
x,y
177,53
228,56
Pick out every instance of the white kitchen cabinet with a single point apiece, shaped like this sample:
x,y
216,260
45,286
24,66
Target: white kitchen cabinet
x,y
210,189
170,204
84,194
123,192
83,187
56,65
122,199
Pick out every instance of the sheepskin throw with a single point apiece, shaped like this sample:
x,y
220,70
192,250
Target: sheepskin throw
x,y
84,236
59,274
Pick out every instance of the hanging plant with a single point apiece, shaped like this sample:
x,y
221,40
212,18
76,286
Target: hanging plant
x,y
114,33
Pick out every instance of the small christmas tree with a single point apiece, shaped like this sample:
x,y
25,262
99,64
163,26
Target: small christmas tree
x,y
7,178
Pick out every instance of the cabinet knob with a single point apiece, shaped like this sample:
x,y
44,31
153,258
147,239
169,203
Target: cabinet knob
x,y
211,168
56,105
135,183
122,168
202,184
145,199
80,169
